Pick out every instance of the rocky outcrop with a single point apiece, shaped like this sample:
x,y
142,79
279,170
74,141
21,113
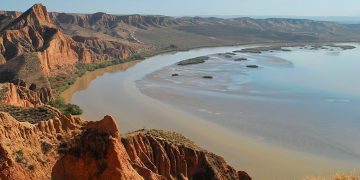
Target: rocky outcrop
x,y
19,93
172,156
21,96
6,17
34,32
29,151
112,49
68,147
87,150
12,14
96,153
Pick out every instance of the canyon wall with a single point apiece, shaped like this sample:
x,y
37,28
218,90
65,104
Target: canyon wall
x,y
34,32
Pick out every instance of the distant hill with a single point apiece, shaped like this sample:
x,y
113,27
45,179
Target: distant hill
x,y
338,19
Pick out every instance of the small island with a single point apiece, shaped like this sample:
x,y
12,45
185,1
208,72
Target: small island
x,y
197,60
241,59
208,77
262,49
343,47
252,66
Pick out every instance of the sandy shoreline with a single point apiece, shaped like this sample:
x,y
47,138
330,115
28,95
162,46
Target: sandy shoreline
x,y
134,110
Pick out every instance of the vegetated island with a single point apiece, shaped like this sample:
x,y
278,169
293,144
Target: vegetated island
x,y
197,60
241,59
343,47
262,49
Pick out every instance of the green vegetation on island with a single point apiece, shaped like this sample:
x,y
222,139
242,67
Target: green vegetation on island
x,y
252,66
343,47
197,60
208,77
241,59
262,49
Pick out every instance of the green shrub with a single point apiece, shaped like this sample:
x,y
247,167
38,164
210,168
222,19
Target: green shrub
x,y
66,108
137,56
196,60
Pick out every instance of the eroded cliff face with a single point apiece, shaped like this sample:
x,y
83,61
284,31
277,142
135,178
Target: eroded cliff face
x,y
111,49
104,20
29,151
68,147
172,156
19,96
23,95
34,32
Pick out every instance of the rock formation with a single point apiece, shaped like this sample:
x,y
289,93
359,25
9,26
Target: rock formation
x,y
104,20
68,147
19,96
172,156
34,32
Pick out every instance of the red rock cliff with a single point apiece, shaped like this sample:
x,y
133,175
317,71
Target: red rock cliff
x,y
172,156
68,147
33,31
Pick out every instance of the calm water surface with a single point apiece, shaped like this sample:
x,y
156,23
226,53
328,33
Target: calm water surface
x,y
307,101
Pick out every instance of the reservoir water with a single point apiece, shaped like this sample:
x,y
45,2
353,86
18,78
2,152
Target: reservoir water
x,y
297,114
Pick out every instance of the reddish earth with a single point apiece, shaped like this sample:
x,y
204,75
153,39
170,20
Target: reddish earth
x,y
68,147
34,32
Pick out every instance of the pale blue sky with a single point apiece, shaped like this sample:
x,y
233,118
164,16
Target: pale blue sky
x,y
197,7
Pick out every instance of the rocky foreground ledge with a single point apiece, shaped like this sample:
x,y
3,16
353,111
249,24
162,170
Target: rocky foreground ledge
x,y
68,147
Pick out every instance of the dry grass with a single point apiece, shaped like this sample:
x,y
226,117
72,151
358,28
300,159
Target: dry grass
x,y
338,176
31,115
168,136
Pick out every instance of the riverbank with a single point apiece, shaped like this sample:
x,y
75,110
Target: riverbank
x,y
116,93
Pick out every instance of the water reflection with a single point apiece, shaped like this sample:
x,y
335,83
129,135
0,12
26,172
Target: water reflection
x,y
83,82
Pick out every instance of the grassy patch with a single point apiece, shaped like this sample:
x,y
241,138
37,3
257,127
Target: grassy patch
x,y
66,108
171,47
82,68
171,137
197,60
61,83
31,115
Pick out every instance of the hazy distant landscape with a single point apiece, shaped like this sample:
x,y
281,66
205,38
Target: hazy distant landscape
x,y
338,19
